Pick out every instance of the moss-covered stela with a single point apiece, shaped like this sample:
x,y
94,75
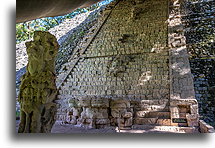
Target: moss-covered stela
x,y
38,90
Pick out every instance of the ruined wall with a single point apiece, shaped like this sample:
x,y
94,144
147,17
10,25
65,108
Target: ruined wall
x,y
134,72
199,21
127,61
204,78
183,104
127,57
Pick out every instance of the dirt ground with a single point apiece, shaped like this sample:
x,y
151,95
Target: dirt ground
x,y
69,129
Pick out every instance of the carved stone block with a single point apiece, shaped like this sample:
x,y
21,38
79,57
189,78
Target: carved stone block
x,y
192,120
116,113
142,114
145,121
194,109
127,115
89,113
164,122
120,103
76,112
128,122
99,102
102,121
73,102
38,90
73,120
84,102
102,113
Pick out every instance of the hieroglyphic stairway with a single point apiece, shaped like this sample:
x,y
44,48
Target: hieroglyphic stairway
x,y
130,70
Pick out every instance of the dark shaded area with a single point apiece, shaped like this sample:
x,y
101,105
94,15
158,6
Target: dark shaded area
x,y
203,71
199,21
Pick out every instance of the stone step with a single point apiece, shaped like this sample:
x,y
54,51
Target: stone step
x,y
161,115
158,121
153,114
152,121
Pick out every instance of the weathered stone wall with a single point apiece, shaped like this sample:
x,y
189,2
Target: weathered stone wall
x,y
183,104
205,128
71,39
199,21
128,59
132,76
135,70
204,78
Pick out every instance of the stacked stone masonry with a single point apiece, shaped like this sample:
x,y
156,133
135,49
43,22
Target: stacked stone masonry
x,y
132,72
199,22
182,95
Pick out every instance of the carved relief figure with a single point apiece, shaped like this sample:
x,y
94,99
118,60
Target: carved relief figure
x,y
38,90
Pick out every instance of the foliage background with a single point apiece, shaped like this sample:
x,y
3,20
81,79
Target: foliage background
x,y
25,30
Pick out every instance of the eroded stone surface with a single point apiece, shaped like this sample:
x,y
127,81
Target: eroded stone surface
x,y
128,75
199,22
38,90
129,64
127,60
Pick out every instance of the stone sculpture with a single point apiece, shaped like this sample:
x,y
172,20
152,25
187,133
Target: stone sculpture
x,y
38,90
121,113
89,111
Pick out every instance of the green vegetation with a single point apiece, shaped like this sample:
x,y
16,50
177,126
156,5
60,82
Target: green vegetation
x,y
25,31
17,114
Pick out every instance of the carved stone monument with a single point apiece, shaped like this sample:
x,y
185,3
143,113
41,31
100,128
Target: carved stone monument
x,y
38,90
